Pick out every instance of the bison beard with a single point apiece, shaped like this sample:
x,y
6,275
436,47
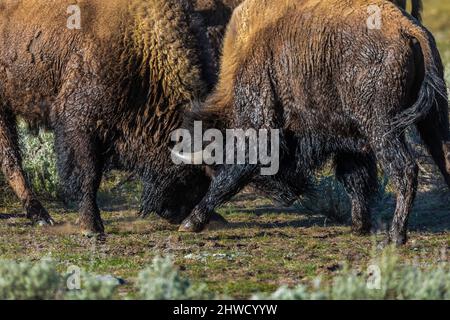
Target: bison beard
x,y
112,92
337,90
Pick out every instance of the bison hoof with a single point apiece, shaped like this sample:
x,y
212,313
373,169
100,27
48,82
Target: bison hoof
x,y
191,225
38,215
99,236
92,232
362,231
92,229
397,239
45,222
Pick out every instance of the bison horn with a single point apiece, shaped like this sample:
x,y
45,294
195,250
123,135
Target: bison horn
x,y
189,158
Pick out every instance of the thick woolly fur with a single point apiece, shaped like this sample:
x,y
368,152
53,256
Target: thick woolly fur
x,y
217,13
112,92
337,90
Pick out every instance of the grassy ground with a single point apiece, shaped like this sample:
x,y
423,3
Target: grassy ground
x,y
265,247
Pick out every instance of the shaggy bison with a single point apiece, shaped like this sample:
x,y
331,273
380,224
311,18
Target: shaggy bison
x,y
111,88
284,189
336,89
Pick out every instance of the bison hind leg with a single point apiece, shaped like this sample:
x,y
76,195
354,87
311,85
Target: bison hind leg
x,y
399,165
80,167
436,141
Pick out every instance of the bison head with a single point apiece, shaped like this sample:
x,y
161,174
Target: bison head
x,y
174,193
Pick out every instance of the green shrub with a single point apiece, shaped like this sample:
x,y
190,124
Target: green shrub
x,y
447,76
161,281
93,288
40,280
396,281
330,199
385,278
26,281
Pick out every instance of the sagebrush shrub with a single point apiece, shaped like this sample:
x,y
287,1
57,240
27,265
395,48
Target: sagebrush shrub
x,y
162,281
447,76
395,281
92,288
25,281
41,281
330,199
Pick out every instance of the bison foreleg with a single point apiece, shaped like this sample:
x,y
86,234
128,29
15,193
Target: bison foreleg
x,y
80,169
225,185
12,169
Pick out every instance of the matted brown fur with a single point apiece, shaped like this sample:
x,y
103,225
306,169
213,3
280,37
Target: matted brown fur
x,y
217,13
112,91
254,15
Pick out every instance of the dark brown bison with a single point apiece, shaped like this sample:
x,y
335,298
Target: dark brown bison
x,y
284,189
111,86
337,89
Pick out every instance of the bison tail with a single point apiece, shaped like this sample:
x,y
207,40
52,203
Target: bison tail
x,y
430,112
433,84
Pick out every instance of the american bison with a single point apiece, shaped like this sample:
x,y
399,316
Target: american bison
x,y
111,86
284,189
337,89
